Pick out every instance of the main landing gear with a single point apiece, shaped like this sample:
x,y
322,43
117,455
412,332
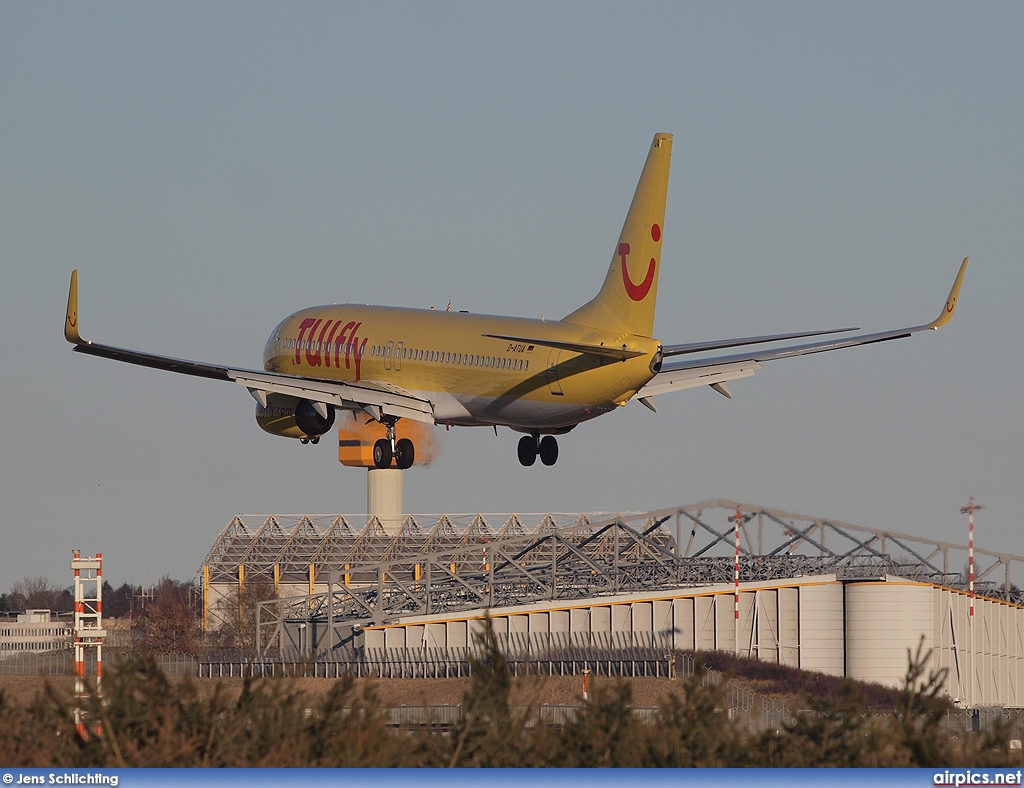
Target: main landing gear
x,y
532,445
387,449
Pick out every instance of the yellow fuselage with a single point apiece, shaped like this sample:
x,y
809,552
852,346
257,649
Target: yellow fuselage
x,y
470,379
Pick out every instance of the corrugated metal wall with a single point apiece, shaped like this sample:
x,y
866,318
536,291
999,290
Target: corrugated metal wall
x,y
863,630
887,620
798,624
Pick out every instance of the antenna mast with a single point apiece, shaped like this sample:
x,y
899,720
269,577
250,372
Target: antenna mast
x,y
969,510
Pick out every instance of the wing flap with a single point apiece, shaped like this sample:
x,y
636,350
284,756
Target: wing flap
x,y
342,395
677,380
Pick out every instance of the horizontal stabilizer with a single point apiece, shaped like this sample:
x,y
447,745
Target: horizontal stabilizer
x,y
619,354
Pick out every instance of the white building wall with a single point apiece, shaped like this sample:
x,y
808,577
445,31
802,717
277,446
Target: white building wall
x,y
948,651
789,627
821,628
704,623
885,622
767,615
682,616
863,631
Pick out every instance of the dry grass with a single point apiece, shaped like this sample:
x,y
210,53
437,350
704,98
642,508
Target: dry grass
x,y
532,690
149,720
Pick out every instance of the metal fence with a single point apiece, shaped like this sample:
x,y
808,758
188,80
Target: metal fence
x,y
451,668
755,711
58,662
545,714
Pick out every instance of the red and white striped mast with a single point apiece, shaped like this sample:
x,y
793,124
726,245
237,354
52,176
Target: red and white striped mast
x,y
737,520
969,510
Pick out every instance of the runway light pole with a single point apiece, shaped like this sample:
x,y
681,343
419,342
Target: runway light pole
x,y
969,510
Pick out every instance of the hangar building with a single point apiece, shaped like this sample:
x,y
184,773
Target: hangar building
x,y
814,593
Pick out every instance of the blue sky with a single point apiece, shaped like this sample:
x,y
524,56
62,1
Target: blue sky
x,y
211,168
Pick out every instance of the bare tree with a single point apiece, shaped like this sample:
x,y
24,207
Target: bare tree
x,y
38,594
237,610
171,622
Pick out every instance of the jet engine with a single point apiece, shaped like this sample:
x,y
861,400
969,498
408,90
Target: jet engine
x,y
292,417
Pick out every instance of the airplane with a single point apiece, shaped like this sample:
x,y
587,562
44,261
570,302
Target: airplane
x,y
538,377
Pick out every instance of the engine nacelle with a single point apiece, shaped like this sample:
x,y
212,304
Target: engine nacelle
x,y
292,417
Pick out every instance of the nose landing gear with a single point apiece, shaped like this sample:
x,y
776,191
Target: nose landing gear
x,y
532,445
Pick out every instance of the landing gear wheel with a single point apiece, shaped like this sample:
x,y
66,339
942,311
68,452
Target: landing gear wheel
x,y
382,453
303,441
548,450
315,440
527,450
405,453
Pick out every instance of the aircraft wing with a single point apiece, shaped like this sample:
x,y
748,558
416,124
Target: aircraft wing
x,y
376,399
701,347
715,371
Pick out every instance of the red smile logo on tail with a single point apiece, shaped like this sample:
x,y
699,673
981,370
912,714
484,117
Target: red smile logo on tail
x,y
638,292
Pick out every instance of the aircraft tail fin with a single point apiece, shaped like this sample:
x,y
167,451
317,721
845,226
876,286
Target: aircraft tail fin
x,y
627,299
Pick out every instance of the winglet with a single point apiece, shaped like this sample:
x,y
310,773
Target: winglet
x,y
71,321
947,311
